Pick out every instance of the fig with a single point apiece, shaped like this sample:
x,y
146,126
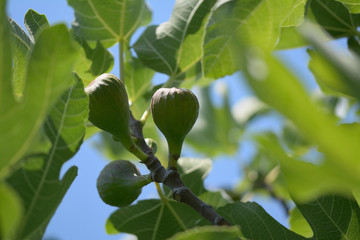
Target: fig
x,y
120,183
174,111
151,144
109,107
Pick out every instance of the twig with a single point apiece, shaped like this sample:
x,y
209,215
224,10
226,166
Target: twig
x,y
171,178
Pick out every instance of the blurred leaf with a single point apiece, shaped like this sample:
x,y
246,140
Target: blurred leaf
x,y
354,45
21,46
306,180
279,88
334,71
108,21
255,21
209,233
10,212
215,199
215,131
112,149
37,180
159,219
294,139
299,224
332,217
247,109
91,130
329,79
35,22
174,47
290,38
334,17
48,76
93,62
296,15
255,223
193,171
138,79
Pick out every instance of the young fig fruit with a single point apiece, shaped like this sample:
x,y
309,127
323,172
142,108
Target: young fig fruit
x,y
120,183
174,111
109,107
151,144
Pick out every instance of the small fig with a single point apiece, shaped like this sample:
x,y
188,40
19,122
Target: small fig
x,y
109,107
151,144
120,183
174,111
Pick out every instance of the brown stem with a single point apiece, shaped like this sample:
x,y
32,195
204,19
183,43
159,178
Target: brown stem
x,y
171,178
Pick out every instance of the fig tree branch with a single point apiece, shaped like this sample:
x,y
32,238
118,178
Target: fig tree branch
x,y
171,179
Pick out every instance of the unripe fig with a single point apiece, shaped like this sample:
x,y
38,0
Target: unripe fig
x,y
109,107
175,111
151,144
120,183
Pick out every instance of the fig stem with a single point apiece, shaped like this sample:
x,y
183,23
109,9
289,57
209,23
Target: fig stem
x,y
159,190
172,164
145,116
171,178
121,61
134,149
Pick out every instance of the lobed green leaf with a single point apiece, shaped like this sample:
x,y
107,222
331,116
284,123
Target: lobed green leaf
x,y
37,180
108,21
257,22
174,47
159,219
48,76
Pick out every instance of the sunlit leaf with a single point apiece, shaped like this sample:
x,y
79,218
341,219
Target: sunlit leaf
x,y
10,212
299,224
334,71
35,22
306,180
278,87
174,47
21,45
108,21
37,180
48,76
255,21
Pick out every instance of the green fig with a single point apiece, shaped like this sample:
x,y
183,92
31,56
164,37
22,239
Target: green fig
x,y
109,107
120,183
151,144
174,111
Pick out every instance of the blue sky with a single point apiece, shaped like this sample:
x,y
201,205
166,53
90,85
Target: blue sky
x,y
82,214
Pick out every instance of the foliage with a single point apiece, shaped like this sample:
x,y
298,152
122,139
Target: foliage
x,y
311,165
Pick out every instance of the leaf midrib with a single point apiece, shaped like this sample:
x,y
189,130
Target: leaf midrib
x,y
335,224
93,8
